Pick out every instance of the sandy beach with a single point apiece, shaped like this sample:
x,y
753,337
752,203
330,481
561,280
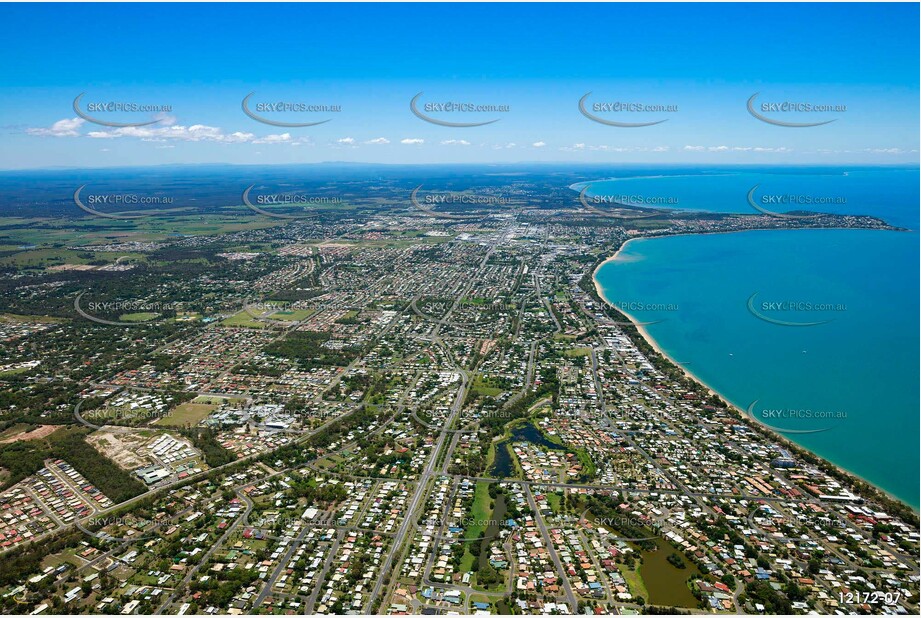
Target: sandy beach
x,y
642,329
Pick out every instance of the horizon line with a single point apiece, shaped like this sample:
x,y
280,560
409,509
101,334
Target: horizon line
x,y
62,168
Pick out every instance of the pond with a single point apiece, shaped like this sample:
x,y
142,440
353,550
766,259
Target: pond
x,y
665,583
503,464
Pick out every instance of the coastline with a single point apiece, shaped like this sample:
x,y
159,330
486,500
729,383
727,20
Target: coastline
x,y
650,340
645,333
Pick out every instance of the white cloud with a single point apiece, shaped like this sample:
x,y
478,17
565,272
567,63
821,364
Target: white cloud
x,y
581,147
164,131
378,140
274,139
455,142
193,133
887,150
412,140
347,141
165,120
539,144
723,148
68,127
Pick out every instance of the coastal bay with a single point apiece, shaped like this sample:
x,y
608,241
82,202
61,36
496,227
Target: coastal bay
x,y
850,381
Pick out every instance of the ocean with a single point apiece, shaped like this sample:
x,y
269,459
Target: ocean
x,y
815,332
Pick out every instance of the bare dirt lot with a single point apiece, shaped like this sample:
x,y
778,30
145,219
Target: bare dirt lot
x,y
120,448
36,434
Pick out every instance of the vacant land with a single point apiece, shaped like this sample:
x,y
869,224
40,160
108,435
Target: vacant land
x,y
31,434
483,386
120,448
137,317
189,413
292,316
243,318
12,317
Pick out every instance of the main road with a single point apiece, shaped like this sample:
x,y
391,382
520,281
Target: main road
x,y
432,463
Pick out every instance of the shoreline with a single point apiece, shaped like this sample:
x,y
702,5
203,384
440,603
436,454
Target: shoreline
x,y
645,333
651,341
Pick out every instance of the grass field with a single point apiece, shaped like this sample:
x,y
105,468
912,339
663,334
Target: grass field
x,y
137,317
490,456
15,430
69,556
292,316
12,317
480,512
634,580
46,257
329,462
189,413
40,258
555,501
214,399
242,318
577,352
483,387
86,231
13,372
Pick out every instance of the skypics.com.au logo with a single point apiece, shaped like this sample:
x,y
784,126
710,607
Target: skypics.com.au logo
x,y
766,310
805,420
280,113
130,312
634,206
305,206
98,112
428,203
630,307
631,523
768,203
263,309
623,110
134,202
438,112
768,111
118,523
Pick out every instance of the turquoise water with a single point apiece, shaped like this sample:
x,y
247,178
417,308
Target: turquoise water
x,y
855,371
889,193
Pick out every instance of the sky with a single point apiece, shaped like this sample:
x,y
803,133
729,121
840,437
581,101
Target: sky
x,y
690,69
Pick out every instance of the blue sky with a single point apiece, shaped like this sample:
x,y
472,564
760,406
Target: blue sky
x,y
704,61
